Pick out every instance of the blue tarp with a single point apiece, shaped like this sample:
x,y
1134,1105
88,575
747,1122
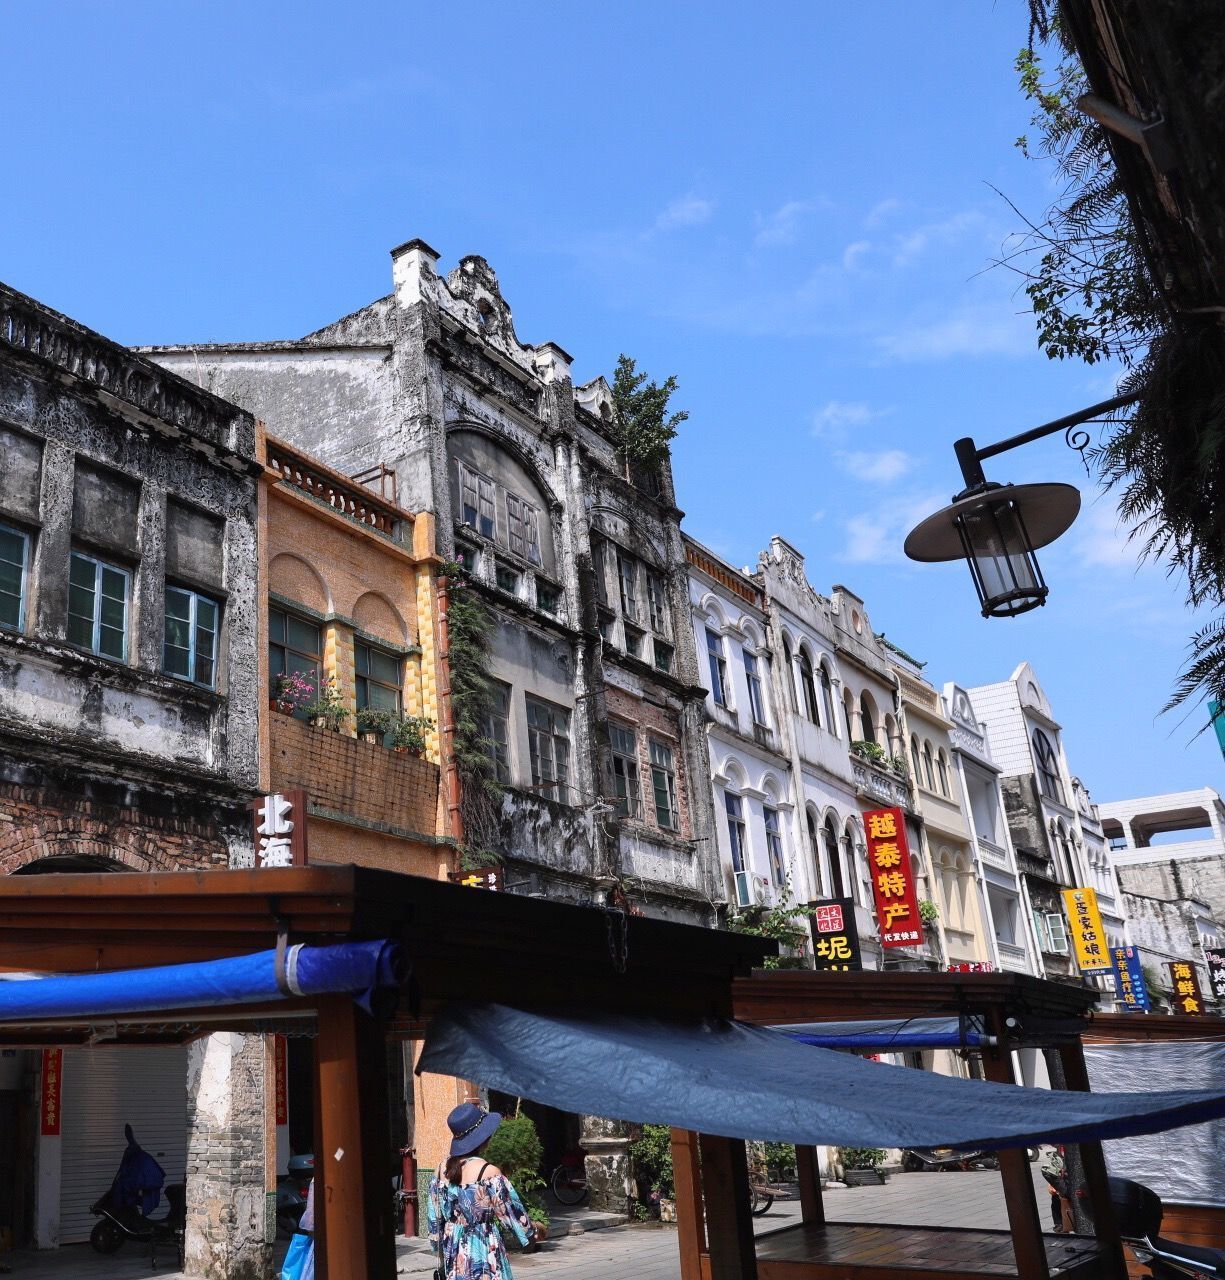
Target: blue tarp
x,y
742,1081
350,967
889,1034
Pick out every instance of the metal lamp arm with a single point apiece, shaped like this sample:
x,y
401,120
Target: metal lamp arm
x,y
970,456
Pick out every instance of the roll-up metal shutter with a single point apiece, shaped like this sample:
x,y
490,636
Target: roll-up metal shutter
x,y
104,1089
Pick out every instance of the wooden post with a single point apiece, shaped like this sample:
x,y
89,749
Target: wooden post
x,y
1105,1225
354,1232
729,1218
1023,1220
812,1208
690,1218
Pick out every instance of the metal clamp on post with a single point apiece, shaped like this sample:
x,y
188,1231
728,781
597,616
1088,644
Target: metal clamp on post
x,y
281,968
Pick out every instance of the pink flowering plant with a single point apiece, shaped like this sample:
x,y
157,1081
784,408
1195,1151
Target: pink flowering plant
x,y
293,690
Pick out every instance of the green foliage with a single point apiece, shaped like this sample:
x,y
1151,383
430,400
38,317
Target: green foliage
x,y
375,720
408,733
644,429
784,924
861,1157
517,1150
929,913
328,705
469,624
869,751
652,1159
780,1160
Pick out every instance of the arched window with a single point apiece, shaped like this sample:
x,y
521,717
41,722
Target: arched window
x,y
830,834
814,847
848,852
942,770
789,668
1048,767
916,760
827,699
928,774
869,721
808,688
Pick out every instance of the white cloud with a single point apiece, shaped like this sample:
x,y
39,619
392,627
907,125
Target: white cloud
x,y
782,226
973,331
853,252
884,467
969,224
686,211
1099,539
877,537
835,417
882,211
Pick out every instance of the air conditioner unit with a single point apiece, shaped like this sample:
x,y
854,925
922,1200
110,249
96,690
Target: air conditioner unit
x,y
746,888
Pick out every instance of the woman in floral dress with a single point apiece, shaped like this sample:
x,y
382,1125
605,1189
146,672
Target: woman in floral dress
x,y
470,1199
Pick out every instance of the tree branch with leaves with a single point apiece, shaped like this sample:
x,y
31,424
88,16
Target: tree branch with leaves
x,y
643,428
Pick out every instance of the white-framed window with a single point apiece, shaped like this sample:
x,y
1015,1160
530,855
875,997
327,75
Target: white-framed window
x,y
774,847
496,730
734,808
14,572
98,606
928,775
627,578
1052,932
476,496
942,772
827,699
189,643
718,667
548,740
663,785
656,606
626,786
523,528
808,688
757,702
1048,767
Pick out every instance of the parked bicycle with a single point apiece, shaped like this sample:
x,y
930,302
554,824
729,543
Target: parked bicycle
x,y
568,1181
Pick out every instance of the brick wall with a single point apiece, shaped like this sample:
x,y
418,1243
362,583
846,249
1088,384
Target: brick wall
x,y
360,779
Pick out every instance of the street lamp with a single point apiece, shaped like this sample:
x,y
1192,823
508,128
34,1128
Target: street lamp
x,y
997,528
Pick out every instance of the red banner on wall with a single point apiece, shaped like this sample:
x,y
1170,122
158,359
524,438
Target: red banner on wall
x,y
280,1079
893,886
53,1087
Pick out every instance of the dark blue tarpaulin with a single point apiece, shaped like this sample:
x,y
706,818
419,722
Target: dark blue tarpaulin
x,y
884,1035
349,967
742,1081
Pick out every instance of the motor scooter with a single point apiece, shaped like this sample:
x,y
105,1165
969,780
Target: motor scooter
x,y
942,1159
1139,1212
135,1191
291,1190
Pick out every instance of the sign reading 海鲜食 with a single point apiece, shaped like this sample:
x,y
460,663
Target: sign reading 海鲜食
x,y
1188,998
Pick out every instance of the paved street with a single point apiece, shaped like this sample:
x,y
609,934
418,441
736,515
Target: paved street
x,y
637,1252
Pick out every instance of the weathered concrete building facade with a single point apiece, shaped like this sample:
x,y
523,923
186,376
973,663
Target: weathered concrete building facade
x,y
128,724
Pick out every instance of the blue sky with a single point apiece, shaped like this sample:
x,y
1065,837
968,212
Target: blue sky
x,y
789,206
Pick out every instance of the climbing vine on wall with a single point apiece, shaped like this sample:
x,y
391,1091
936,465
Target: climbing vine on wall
x,y
643,426
469,625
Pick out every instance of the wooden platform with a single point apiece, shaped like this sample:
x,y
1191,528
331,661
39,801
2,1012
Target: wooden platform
x,y
863,1251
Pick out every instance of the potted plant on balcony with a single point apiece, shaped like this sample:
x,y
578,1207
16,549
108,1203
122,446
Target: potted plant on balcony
x,y
870,751
374,723
408,734
929,913
861,1166
292,691
328,711
899,766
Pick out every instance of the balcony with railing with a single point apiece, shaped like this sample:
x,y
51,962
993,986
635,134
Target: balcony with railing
x,y
993,852
880,783
1013,959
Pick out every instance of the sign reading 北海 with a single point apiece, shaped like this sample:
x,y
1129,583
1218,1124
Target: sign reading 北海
x,y
1216,970
835,938
278,832
53,1085
1088,936
897,903
1129,979
1188,998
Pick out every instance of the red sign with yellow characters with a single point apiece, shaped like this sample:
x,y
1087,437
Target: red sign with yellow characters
x,y
53,1091
897,903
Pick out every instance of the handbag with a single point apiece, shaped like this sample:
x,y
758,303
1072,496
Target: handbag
x,y
300,1253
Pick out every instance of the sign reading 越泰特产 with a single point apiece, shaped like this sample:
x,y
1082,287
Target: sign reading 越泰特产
x,y
1088,936
893,886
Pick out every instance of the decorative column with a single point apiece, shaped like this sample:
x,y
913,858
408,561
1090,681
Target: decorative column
x,y
227,1234
609,1178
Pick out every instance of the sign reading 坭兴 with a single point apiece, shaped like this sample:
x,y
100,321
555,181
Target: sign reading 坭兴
x,y
278,832
1129,986
485,878
1216,970
53,1085
835,939
897,904
1188,998
1088,935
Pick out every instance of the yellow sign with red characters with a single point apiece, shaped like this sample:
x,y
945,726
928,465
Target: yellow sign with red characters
x,y
1088,936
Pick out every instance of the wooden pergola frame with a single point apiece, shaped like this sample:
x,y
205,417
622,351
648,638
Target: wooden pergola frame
x,y
460,944
1018,1011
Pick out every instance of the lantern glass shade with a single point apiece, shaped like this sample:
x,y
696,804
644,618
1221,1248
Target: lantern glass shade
x,y
996,530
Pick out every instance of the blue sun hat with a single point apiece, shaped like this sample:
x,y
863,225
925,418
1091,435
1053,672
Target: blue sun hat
x,y
471,1127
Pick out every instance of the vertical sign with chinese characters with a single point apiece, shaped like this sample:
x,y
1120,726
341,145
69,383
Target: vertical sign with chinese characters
x,y
1088,936
1216,971
835,939
278,832
1187,995
1129,980
53,1085
280,1079
897,904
